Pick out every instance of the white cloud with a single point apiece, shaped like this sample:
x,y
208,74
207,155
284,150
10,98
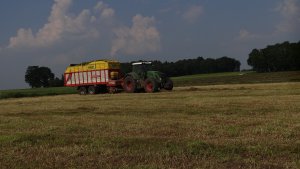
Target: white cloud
x,y
290,12
62,26
289,23
105,11
193,13
288,8
89,26
140,38
23,38
245,35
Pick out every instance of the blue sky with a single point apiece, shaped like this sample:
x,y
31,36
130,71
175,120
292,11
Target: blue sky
x,y
55,33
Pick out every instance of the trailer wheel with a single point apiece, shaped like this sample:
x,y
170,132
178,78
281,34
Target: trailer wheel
x,y
169,84
112,90
129,85
82,90
150,85
92,90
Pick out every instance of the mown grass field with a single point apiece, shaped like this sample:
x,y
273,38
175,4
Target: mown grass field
x,y
18,93
237,78
192,80
215,126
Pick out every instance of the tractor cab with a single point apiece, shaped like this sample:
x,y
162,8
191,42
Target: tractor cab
x,y
146,66
141,68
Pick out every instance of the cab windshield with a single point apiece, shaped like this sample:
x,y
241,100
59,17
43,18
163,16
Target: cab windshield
x,y
147,67
142,68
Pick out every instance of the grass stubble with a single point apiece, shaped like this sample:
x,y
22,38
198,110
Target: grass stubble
x,y
219,126
247,77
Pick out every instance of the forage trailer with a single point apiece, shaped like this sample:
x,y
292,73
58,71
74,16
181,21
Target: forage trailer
x,y
94,77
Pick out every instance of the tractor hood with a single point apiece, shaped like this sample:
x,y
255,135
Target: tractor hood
x,y
156,75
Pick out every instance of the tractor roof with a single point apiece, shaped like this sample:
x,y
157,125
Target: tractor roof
x,y
141,63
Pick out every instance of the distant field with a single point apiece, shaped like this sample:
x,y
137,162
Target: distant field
x,y
192,80
237,78
17,93
215,126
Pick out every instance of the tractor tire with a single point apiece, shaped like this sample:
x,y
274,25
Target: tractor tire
x,y
168,85
82,90
92,90
129,85
150,85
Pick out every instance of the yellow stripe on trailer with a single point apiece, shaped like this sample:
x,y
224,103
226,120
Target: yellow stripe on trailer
x,y
94,65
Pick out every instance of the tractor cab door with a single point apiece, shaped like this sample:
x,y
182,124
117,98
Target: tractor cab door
x,y
142,69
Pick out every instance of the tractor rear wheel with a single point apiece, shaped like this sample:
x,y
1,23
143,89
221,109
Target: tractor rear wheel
x,y
150,85
82,90
129,85
92,90
169,84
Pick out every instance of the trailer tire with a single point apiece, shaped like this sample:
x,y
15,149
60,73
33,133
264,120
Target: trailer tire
x,y
129,85
150,85
112,90
82,90
92,90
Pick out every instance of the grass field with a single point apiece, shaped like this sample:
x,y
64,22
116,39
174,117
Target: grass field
x,y
237,78
216,126
18,93
192,80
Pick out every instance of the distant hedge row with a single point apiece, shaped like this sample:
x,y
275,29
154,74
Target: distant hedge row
x,y
192,66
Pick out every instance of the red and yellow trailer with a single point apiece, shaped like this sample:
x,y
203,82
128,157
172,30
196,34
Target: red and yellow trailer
x,y
93,77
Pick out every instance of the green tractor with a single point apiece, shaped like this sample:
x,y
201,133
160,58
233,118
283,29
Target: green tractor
x,y
144,78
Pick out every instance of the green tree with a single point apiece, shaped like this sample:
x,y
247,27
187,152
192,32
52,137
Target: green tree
x,y
56,82
38,76
278,57
256,60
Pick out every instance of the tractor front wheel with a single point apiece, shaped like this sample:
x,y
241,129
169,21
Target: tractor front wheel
x,y
129,85
169,84
150,85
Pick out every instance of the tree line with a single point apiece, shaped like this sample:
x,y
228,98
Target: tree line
x,y
278,57
192,66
